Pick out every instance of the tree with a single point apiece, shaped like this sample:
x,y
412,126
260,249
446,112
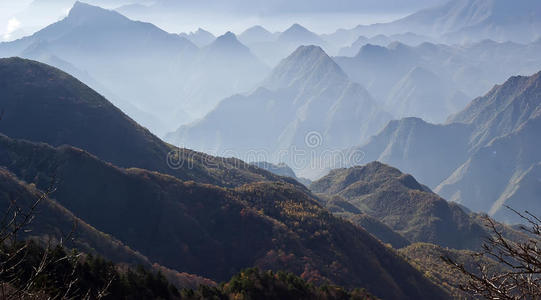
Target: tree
x,y
520,274
29,270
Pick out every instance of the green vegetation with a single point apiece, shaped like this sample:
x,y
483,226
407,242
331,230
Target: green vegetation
x,y
427,258
212,231
256,284
403,204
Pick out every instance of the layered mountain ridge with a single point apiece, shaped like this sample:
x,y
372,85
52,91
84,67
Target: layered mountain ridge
x,y
481,156
306,93
272,223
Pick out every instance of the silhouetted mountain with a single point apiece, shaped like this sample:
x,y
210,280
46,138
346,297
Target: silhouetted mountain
x,y
228,67
409,38
256,34
136,61
484,158
379,68
58,109
403,204
296,34
141,67
200,38
439,78
306,93
284,43
463,20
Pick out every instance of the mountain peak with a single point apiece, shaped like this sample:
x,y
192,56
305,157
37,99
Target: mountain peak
x,y
370,50
256,34
82,12
296,30
257,29
202,31
228,36
228,42
309,65
502,100
310,51
298,34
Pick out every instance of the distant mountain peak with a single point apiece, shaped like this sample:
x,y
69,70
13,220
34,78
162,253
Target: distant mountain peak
x,y
202,31
256,34
297,29
228,36
82,12
299,34
310,50
257,29
370,50
228,42
308,65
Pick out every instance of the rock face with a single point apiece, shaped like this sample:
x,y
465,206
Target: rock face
x,y
306,93
485,157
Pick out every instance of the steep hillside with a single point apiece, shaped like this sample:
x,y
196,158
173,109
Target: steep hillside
x,y
52,222
43,104
427,258
403,204
51,219
504,109
499,174
213,231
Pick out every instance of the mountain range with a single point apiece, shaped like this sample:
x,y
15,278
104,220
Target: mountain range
x,y
460,21
306,96
195,227
432,81
484,157
140,66
407,207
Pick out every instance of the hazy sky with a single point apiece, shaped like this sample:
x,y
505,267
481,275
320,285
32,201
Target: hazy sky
x,y
19,18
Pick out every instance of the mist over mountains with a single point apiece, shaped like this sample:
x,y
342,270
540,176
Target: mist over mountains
x,y
284,157
307,92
